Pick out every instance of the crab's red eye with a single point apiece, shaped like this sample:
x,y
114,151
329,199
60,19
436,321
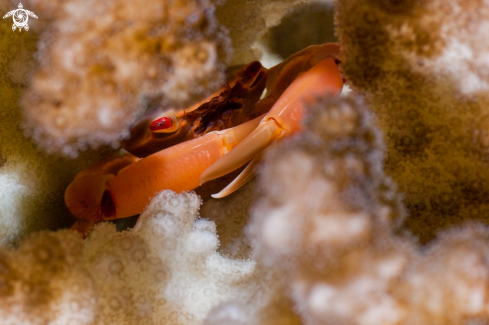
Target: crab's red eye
x,y
161,123
253,68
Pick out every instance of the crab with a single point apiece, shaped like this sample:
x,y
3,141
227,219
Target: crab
x,y
183,149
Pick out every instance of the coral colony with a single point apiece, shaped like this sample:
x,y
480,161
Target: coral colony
x,y
375,214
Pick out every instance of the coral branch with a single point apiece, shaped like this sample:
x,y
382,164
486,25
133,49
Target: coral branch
x,y
99,63
166,270
429,98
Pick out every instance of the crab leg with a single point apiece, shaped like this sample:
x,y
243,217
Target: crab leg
x,y
246,175
283,119
123,187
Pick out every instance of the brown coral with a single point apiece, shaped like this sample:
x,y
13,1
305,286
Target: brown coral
x,y
100,63
432,114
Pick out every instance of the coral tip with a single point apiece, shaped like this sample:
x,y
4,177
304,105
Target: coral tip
x,y
161,123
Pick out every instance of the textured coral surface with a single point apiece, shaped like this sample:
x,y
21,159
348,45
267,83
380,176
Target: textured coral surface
x,y
421,66
100,62
165,271
31,182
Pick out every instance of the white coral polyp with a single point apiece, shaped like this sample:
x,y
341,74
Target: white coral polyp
x,y
468,70
276,230
339,228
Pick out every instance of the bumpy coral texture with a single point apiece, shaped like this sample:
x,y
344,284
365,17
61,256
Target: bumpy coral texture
x,y
326,222
31,182
165,271
422,66
101,62
460,52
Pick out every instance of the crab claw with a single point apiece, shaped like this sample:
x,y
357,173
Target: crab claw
x,y
122,187
283,119
246,175
88,205
177,168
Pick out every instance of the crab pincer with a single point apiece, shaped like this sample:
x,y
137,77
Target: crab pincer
x,y
283,119
122,187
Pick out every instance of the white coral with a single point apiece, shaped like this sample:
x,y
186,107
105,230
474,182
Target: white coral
x,y
166,271
100,62
464,52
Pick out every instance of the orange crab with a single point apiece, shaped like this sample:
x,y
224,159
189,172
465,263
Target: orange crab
x,y
184,149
